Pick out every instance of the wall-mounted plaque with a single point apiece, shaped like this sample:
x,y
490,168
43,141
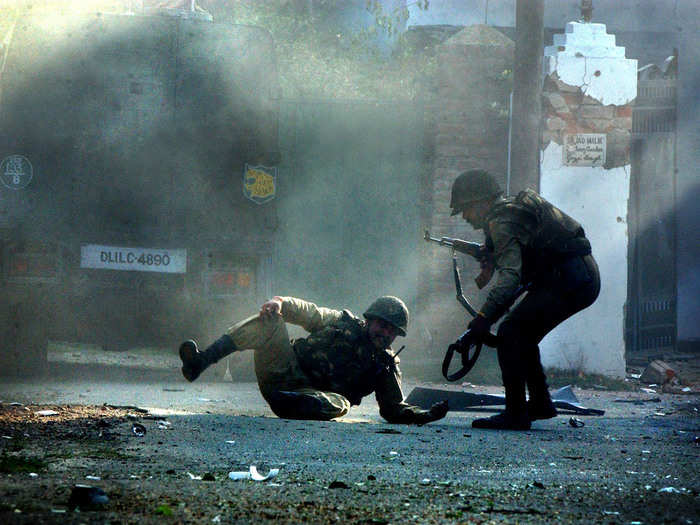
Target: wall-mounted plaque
x,y
584,149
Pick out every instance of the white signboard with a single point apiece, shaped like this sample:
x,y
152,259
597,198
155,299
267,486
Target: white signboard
x,y
584,149
135,259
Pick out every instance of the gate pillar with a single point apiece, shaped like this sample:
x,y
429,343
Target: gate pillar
x,y
589,87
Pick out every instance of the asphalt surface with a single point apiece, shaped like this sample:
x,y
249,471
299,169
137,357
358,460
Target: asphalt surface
x,y
636,464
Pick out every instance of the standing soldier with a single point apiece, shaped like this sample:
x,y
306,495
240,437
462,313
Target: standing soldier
x,y
319,377
533,243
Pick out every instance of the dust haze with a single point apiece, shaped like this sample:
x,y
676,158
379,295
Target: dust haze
x,y
139,130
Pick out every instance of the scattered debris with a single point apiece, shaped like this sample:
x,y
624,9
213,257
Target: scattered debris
x,y
674,387
230,442
138,429
46,413
259,477
388,431
658,372
208,477
672,490
537,484
391,456
253,474
638,401
576,422
338,485
86,496
173,390
494,510
93,478
193,477
127,407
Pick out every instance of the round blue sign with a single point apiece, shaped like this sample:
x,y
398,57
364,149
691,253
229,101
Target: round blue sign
x,y
16,172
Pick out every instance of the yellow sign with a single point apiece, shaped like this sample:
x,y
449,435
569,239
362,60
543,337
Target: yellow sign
x,y
259,183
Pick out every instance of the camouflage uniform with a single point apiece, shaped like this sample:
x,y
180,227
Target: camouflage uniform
x,y
533,242
322,375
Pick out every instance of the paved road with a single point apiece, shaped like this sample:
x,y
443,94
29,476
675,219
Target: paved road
x,y
638,463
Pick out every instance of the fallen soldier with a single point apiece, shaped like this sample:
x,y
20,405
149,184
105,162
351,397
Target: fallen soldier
x,y
343,359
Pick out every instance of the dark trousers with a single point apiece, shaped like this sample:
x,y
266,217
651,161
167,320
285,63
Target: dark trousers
x,y
573,285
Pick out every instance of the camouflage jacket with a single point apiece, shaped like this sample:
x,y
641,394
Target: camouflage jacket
x,y
337,356
528,236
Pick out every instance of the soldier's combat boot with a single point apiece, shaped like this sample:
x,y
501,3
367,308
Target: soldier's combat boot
x,y
514,417
195,362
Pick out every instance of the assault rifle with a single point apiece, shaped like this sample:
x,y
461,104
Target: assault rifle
x,y
476,250
468,346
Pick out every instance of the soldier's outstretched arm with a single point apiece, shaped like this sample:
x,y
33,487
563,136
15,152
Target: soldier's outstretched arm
x,y
300,312
392,406
272,308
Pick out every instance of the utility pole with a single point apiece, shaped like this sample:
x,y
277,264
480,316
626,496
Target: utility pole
x,y
527,92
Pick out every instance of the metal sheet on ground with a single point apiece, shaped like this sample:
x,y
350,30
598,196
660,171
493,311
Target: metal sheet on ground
x,y
563,398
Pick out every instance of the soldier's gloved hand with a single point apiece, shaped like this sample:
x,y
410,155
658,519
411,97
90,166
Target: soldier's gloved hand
x,y
437,411
271,308
480,326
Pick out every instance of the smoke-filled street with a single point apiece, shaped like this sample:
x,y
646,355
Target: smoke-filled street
x,y
349,261
634,464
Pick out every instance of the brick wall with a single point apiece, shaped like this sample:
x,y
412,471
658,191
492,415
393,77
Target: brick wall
x,y
467,119
567,110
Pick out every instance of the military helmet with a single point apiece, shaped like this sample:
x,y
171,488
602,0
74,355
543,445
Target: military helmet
x,y
390,309
472,186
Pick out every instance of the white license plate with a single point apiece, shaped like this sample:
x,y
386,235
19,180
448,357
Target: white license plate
x,y
134,259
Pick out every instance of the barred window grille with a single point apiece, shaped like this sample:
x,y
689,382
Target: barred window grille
x,y
655,107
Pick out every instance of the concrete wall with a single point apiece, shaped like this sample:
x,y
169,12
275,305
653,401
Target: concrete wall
x,y
688,181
